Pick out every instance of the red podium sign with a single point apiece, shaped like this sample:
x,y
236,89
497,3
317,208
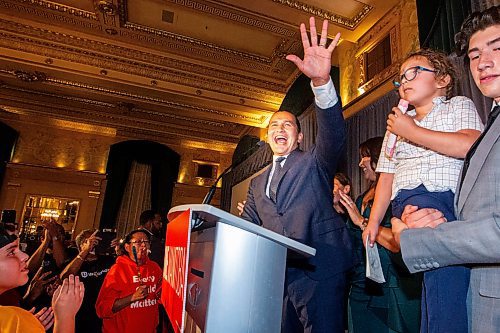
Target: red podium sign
x,y
175,272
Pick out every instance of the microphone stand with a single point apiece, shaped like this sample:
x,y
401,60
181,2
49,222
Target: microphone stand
x,y
213,188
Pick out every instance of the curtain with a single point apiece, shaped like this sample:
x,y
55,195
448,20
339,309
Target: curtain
x,y
8,138
479,5
164,171
136,198
439,21
365,124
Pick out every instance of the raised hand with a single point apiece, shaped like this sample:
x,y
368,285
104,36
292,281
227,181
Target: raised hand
x,y
68,298
38,284
90,243
317,60
45,316
351,208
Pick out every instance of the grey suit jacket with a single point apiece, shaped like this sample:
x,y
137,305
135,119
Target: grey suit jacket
x,y
473,239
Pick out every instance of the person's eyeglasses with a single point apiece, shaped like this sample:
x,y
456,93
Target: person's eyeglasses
x,y
141,242
410,74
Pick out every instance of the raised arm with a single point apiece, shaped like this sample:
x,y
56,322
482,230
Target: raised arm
x,y
74,266
35,261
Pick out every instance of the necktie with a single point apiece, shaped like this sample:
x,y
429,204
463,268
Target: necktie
x,y
491,119
273,186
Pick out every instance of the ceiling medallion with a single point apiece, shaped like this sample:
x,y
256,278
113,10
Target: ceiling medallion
x,y
29,77
107,7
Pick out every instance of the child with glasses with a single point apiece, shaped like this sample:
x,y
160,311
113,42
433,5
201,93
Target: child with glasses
x,y
433,138
128,299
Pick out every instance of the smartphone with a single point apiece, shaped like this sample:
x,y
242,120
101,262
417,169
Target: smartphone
x,y
104,245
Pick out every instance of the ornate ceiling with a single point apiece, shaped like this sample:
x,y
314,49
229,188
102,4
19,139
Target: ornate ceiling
x,y
207,72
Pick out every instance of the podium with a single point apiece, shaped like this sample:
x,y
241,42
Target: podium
x,y
234,272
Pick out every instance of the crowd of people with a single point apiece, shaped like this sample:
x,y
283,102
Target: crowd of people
x,y
439,277
122,284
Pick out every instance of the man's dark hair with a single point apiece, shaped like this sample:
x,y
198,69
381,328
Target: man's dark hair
x,y
299,129
475,22
147,215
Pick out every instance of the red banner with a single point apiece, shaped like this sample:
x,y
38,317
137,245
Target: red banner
x,y
173,295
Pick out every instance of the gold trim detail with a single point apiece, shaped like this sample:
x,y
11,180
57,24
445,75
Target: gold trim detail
x,y
52,6
348,23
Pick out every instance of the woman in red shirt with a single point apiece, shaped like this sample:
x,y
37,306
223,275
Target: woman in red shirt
x,y
129,297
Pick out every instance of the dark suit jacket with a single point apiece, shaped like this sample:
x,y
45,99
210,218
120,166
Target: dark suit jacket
x,y
304,209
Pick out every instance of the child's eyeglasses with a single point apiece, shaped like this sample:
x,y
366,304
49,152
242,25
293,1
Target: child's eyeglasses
x,y
410,74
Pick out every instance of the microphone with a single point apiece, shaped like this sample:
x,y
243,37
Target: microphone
x,y
212,189
134,252
392,139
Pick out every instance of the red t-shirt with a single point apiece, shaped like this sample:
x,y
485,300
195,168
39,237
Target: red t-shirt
x,y
121,281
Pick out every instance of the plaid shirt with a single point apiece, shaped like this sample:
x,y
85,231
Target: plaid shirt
x,y
414,165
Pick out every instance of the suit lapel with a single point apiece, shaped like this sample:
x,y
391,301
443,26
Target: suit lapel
x,y
263,181
476,163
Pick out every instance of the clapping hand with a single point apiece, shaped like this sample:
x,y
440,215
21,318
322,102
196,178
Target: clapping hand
x,y
45,316
317,60
67,299
351,208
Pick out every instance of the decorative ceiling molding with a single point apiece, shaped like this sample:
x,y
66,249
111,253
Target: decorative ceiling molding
x,y
258,121
54,13
193,42
61,8
232,15
348,23
121,59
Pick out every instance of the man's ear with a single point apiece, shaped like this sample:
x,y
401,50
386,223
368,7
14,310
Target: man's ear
x,y
300,137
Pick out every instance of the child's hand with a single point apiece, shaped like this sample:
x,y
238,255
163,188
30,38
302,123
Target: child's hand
x,y
372,231
400,123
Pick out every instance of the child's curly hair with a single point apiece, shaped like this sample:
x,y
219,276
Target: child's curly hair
x,y
441,64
